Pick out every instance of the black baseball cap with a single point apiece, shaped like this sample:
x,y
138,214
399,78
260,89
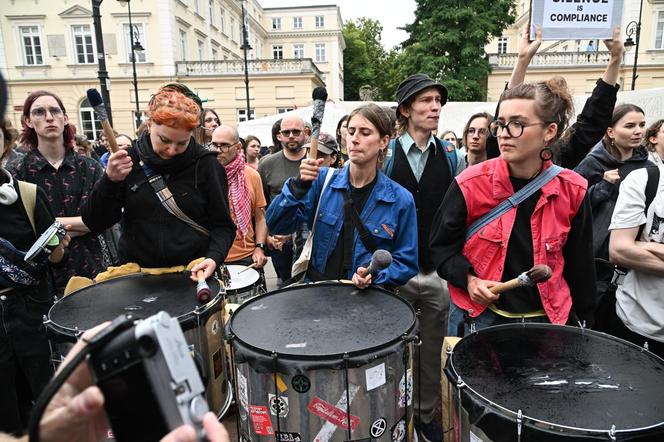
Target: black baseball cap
x,y
415,84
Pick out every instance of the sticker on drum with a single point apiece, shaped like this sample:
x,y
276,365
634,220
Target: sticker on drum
x,y
286,436
398,431
278,405
378,427
261,420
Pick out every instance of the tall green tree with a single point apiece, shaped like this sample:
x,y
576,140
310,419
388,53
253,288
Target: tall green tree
x,y
366,62
447,42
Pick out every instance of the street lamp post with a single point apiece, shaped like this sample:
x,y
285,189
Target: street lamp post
x,y
102,73
246,47
634,28
135,46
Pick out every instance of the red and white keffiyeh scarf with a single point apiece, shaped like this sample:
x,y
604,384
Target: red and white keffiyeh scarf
x,y
238,195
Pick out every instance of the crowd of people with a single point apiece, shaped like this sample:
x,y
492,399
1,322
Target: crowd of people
x,y
188,188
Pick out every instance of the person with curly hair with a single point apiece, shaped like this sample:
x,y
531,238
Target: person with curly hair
x,y
152,237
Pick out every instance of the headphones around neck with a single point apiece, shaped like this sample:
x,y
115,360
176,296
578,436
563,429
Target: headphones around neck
x,y
8,195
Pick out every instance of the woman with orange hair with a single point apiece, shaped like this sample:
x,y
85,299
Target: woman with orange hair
x,y
151,236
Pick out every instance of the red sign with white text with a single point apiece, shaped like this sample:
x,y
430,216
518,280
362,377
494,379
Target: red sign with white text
x,y
332,414
261,420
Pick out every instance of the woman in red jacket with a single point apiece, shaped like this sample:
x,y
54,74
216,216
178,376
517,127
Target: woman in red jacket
x,y
553,226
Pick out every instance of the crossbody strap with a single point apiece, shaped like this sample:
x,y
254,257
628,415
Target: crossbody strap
x,y
166,199
365,236
514,200
29,200
328,177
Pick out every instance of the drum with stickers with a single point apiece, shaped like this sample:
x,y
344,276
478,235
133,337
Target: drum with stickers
x,y
242,283
144,295
543,382
324,362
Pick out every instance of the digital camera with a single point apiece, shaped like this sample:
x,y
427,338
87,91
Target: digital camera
x,y
149,381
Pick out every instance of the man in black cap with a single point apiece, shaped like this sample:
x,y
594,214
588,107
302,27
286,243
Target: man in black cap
x,y
425,166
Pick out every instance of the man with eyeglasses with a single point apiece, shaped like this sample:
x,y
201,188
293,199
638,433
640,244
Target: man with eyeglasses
x,y
67,178
246,199
274,170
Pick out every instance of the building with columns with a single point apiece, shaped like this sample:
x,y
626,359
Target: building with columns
x,y
51,45
572,60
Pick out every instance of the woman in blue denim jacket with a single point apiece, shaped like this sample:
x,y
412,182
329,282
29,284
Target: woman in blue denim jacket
x,y
385,208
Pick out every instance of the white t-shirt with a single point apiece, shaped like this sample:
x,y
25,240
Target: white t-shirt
x,y
640,299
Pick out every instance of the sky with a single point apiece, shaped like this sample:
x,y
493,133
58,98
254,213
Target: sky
x,y
390,13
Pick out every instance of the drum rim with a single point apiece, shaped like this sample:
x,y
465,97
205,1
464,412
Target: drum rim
x,y
182,319
539,423
408,335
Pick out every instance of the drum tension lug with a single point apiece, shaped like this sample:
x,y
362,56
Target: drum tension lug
x,y
612,433
519,420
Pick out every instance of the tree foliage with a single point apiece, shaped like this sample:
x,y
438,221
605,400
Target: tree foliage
x,y
447,42
366,62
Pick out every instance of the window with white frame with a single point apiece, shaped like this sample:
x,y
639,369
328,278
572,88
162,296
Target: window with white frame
x,y
90,125
210,13
132,36
32,48
298,50
201,49
297,22
502,45
84,52
277,52
183,45
320,21
222,20
233,29
215,54
283,110
659,31
276,23
242,114
321,55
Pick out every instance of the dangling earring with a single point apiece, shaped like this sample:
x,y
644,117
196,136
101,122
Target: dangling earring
x,y
613,142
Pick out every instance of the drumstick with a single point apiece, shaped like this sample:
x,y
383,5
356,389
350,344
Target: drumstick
x,y
249,267
202,288
320,97
95,100
539,273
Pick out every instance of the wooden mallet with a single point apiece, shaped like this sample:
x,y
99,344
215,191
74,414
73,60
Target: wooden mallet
x,y
320,97
539,273
97,103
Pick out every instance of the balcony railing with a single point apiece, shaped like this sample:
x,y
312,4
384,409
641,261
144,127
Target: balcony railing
x,y
255,67
554,59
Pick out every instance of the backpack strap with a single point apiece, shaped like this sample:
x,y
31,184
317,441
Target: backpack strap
x,y
29,200
388,165
650,191
444,146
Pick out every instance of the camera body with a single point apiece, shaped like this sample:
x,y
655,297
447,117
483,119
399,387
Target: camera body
x,y
149,381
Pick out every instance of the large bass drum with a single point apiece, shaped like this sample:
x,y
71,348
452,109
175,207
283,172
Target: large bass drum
x,y
145,295
324,362
542,382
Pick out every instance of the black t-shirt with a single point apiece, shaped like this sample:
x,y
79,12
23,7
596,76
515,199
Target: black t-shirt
x,y
520,253
334,269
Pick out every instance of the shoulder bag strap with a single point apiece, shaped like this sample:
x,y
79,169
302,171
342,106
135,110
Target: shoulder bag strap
x,y
328,177
29,200
514,200
651,191
167,201
365,236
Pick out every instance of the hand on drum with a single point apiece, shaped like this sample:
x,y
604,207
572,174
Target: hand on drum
x,y
119,166
259,258
309,169
479,292
362,279
76,412
207,265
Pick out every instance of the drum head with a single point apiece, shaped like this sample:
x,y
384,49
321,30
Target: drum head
x,y
241,277
142,295
322,321
559,375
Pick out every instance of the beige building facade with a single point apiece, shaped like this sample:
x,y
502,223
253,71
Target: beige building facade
x,y
572,59
51,45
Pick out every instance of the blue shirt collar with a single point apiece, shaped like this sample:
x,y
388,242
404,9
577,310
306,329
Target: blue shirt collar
x,y
407,142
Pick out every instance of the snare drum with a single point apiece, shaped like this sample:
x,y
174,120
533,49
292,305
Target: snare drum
x,y
144,295
543,382
324,362
245,283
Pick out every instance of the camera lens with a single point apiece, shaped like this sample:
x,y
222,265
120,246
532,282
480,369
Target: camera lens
x,y
147,346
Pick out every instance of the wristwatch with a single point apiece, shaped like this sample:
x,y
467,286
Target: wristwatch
x,y
262,246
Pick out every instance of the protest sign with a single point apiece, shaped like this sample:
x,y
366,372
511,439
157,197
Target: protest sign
x,y
575,19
